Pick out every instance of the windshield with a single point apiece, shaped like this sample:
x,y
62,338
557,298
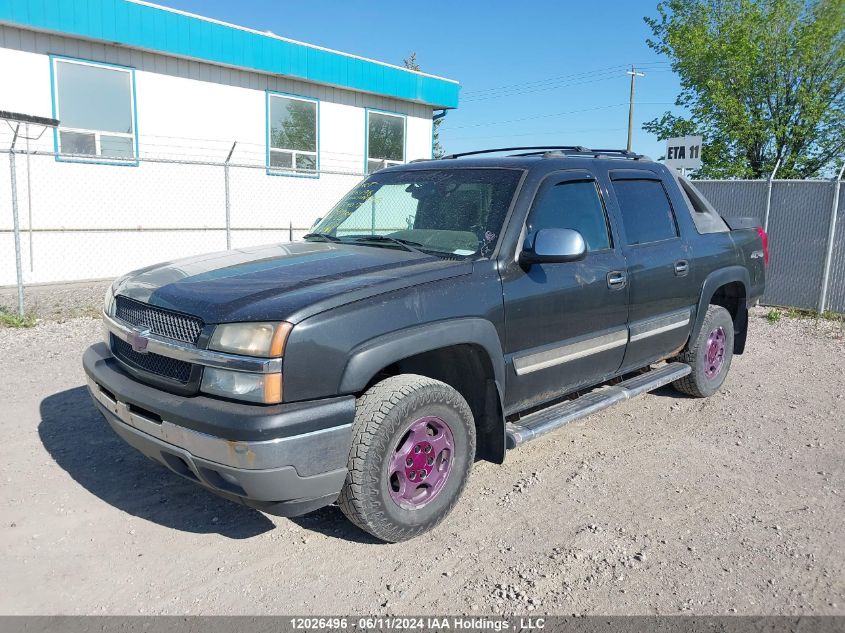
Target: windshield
x,y
445,212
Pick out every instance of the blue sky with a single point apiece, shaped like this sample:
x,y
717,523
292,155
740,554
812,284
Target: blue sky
x,y
531,72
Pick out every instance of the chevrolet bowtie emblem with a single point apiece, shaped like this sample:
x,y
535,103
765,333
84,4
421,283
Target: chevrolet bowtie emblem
x,y
138,338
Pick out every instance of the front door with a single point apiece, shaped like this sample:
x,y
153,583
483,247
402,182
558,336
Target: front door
x,y
565,323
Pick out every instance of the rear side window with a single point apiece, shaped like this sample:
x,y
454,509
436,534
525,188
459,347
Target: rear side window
x,y
646,212
572,205
704,216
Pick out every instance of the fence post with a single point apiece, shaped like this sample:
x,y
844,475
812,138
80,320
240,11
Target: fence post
x,y
831,236
769,197
228,207
16,220
29,201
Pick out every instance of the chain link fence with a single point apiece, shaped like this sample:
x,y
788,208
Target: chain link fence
x,y
91,221
94,221
806,236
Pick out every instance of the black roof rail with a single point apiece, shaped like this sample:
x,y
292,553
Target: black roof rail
x,y
624,153
552,151
540,148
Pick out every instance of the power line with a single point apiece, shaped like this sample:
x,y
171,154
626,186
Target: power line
x,y
544,116
591,78
539,116
568,84
544,80
472,94
539,132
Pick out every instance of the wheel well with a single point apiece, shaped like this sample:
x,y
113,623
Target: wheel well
x,y
731,296
468,370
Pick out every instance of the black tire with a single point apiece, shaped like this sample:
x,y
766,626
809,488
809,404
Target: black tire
x,y
382,419
707,377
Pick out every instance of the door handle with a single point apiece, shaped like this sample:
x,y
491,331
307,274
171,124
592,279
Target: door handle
x,y
681,267
616,279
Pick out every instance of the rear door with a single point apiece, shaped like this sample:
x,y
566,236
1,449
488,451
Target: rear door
x,y
659,267
565,323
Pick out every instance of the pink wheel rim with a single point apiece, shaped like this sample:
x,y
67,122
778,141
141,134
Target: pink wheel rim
x,y
421,463
714,357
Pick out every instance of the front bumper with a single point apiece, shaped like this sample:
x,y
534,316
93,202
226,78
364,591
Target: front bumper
x,y
282,459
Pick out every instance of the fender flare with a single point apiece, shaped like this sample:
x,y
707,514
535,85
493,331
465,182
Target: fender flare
x,y
713,282
366,360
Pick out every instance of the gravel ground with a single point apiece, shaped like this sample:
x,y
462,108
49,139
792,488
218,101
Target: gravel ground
x,y
57,302
663,504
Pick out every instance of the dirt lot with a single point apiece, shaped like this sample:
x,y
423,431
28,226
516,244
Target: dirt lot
x,y
662,505
57,302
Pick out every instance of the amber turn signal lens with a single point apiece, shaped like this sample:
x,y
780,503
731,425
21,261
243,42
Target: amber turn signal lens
x,y
272,388
280,337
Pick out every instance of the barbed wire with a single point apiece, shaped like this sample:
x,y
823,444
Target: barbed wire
x,y
88,158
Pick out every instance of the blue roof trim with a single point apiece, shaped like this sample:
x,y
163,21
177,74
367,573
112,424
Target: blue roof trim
x,y
161,30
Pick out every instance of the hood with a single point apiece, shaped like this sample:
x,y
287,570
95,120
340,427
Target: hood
x,y
281,281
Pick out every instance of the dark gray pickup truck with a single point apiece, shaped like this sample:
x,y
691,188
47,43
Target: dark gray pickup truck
x,y
444,311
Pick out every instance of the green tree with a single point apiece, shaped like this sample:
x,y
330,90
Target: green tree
x,y
294,124
410,63
762,80
386,137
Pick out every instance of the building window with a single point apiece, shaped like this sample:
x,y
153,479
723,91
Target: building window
x,y
292,134
385,140
95,105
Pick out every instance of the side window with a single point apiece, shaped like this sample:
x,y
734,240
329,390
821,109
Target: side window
x,y
572,205
646,212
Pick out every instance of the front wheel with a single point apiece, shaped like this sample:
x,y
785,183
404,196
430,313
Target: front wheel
x,y
412,450
709,355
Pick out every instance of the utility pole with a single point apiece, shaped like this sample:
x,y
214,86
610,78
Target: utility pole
x,y
634,74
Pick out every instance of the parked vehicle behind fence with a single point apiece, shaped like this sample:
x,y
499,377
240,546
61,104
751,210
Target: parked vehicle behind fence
x,y
443,312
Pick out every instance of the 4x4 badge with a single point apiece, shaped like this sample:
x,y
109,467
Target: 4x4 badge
x,y
138,339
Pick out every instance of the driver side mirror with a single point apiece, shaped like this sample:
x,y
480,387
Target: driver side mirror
x,y
553,246
316,222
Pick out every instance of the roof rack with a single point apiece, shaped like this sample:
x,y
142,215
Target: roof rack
x,y
554,151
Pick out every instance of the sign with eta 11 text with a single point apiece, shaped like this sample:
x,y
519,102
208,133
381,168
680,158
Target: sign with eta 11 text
x,y
683,152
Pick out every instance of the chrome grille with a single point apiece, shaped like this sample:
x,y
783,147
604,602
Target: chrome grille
x,y
181,327
164,366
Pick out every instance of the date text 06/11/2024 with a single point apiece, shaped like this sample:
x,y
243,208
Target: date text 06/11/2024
x,y
417,623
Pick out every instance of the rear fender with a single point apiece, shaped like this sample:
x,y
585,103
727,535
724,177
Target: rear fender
x,y
712,283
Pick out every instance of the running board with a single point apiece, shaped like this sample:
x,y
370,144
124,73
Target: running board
x,y
536,424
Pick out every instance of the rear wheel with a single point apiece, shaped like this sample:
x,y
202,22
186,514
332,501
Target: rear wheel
x,y
412,449
709,355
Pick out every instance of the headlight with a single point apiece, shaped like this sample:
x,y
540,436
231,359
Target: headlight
x,y
251,339
239,385
108,301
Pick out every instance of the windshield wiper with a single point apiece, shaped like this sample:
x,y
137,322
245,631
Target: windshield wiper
x,y
408,245
325,236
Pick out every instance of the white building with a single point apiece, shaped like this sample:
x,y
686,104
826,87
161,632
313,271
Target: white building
x,y
134,85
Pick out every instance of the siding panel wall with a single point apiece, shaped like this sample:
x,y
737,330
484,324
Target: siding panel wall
x,y
173,33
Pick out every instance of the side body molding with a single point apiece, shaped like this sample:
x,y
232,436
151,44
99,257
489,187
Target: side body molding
x,y
370,357
713,282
